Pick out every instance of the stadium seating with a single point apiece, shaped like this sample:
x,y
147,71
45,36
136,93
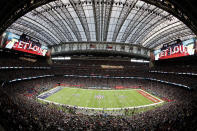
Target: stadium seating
x,y
21,111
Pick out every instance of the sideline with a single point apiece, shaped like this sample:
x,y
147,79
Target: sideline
x,y
134,107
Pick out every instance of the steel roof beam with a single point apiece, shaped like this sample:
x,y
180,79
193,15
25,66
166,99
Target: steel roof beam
x,y
62,24
55,30
33,29
126,10
143,24
51,18
149,30
42,27
68,19
82,17
131,25
96,12
156,41
107,18
29,33
173,38
137,23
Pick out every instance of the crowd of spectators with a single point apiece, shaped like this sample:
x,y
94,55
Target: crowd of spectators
x,y
86,71
177,68
93,67
84,67
22,112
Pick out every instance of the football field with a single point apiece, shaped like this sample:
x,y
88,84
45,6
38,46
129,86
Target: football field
x,y
91,98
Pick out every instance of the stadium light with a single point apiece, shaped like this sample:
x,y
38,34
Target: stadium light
x,y
139,61
61,58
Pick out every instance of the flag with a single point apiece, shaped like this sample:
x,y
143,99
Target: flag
x,y
109,47
92,46
122,47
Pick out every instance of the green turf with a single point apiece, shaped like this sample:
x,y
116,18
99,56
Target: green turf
x,y
89,98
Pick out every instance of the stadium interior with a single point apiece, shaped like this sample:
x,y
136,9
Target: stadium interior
x,y
106,46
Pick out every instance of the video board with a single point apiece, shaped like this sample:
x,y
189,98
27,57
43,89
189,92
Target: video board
x,y
22,43
178,49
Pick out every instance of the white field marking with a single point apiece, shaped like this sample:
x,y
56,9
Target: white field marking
x,y
161,101
102,108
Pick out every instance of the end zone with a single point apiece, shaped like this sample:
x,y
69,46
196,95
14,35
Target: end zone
x,y
149,96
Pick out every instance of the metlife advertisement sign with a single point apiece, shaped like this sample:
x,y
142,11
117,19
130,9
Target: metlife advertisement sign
x,y
13,41
181,49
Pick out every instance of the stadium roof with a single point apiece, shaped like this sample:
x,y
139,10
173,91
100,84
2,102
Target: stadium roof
x,y
122,21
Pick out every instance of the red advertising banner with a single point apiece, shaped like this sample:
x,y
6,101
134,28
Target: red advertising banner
x,y
92,46
25,47
14,42
180,49
109,47
172,52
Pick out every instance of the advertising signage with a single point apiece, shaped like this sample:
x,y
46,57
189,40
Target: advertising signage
x,y
178,49
23,43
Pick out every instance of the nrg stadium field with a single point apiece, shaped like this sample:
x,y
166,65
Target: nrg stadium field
x,y
99,99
